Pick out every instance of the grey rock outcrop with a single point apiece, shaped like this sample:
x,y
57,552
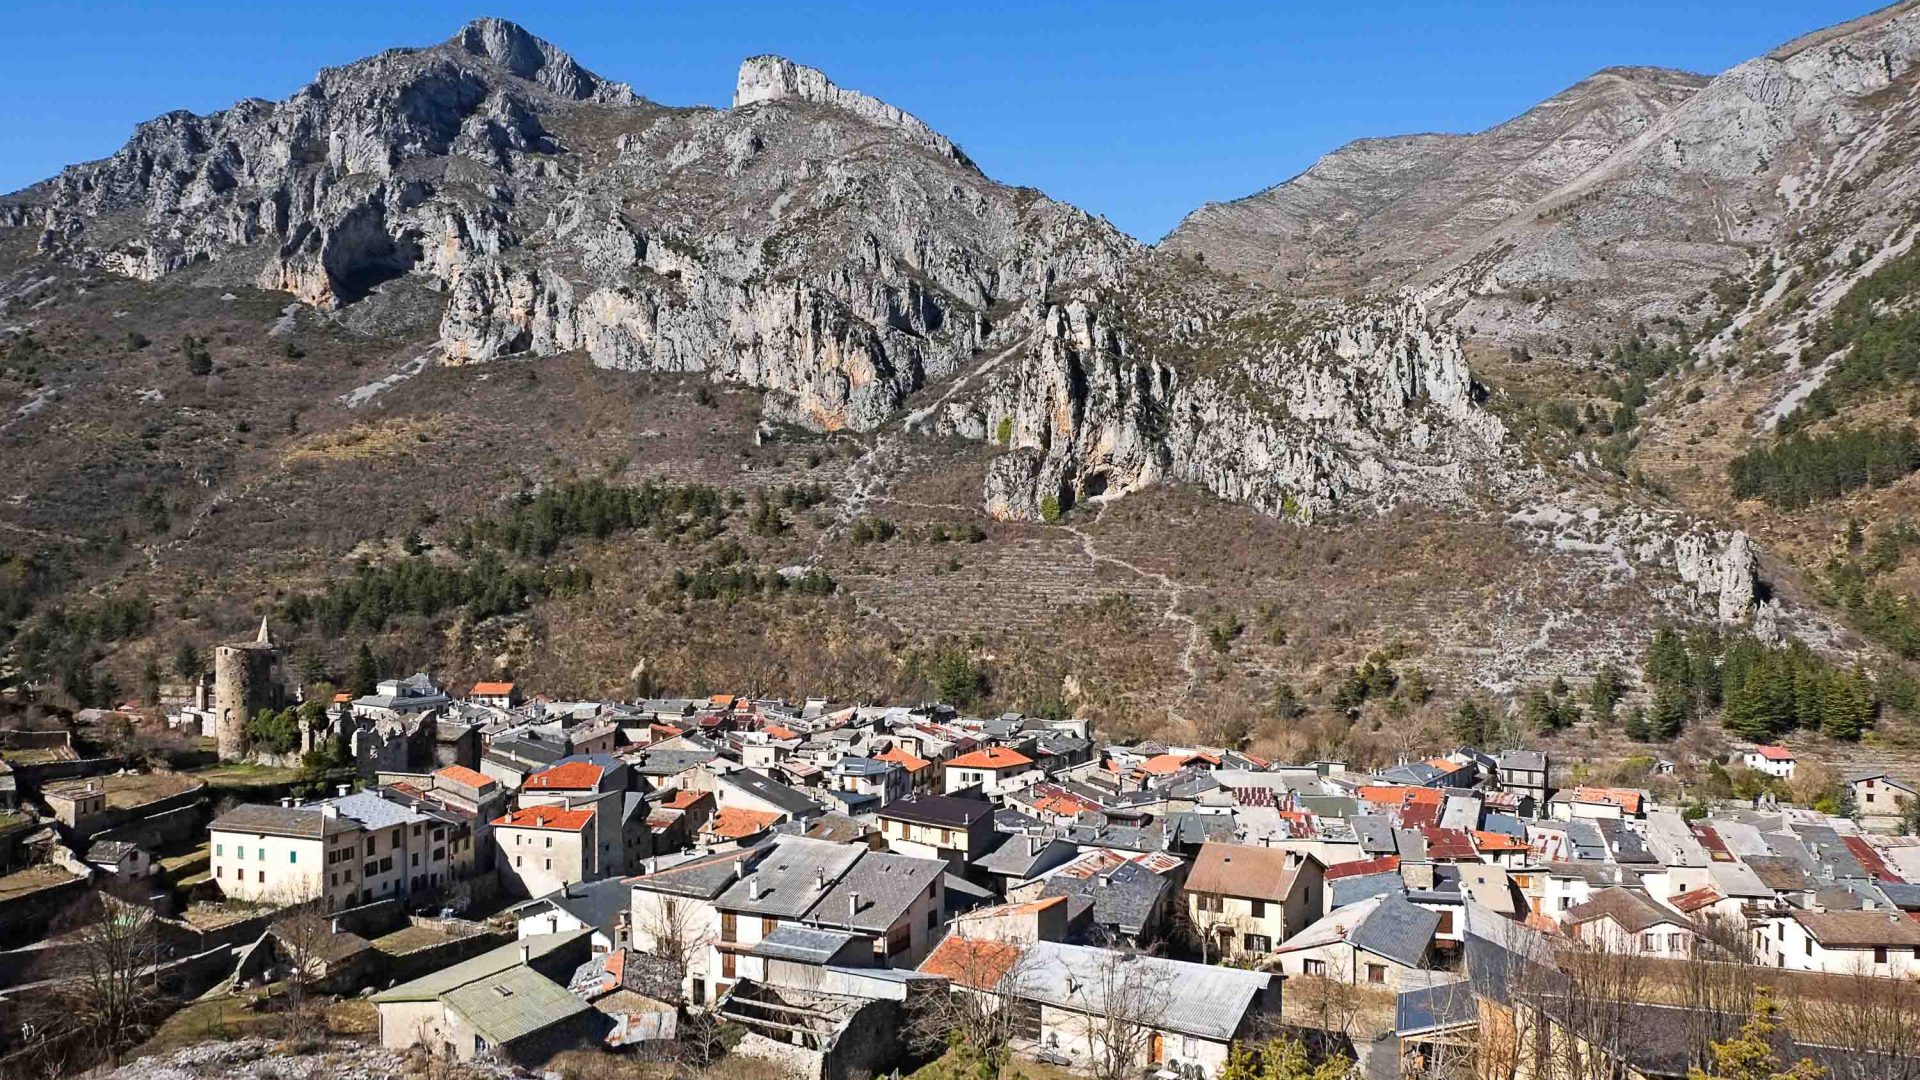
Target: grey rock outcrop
x,y
832,252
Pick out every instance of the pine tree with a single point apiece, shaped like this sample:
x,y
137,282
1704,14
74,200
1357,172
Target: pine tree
x,y
1636,726
1672,709
1750,1055
366,672
1471,723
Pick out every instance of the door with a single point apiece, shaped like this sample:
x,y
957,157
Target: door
x,y
1156,1048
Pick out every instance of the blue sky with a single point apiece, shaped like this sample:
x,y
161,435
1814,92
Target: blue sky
x,y
1136,110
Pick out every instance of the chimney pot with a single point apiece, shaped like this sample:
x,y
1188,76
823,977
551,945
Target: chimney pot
x,y
526,952
345,790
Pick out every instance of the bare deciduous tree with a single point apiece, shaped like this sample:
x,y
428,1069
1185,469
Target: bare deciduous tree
x,y
1119,1003
106,996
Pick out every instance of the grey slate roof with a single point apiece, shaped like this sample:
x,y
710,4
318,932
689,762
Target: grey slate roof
x,y
598,904
1397,929
941,811
1025,856
705,878
1432,1008
772,791
806,944
1357,887
885,886
788,875
1375,833
1124,897
305,822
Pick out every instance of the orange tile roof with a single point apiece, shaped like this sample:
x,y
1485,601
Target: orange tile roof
x,y
1359,867
546,817
721,701
775,731
735,823
491,689
1398,795
993,757
460,774
1693,900
1774,753
681,799
665,731
899,756
1625,798
977,965
342,697
573,775
1495,841
1162,764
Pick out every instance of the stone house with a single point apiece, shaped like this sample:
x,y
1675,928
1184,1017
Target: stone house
x,y
1245,900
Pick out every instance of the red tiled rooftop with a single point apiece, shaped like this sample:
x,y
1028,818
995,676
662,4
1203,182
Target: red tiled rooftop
x,y
1359,867
574,775
460,774
978,965
490,689
546,817
1774,753
735,823
900,757
993,757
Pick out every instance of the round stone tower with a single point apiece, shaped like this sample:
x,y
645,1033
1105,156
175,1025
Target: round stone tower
x,y
246,679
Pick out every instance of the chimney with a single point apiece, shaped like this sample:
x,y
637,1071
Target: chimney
x,y
345,790
753,888
336,924
526,953
820,880
853,905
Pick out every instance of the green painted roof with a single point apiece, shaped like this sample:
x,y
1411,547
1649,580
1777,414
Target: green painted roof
x,y
513,1004
492,962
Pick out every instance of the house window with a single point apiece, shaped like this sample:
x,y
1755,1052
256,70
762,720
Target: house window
x,y
1646,942
1259,909
263,877
219,849
726,965
1879,954
262,852
1189,1046
729,929
767,924
1446,923
1313,967
293,856
1258,943
1376,973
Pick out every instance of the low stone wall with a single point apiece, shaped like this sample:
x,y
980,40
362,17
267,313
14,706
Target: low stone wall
x,y
407,966
159,830
26,917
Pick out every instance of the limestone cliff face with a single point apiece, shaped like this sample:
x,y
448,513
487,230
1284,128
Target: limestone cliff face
x,y
1370,409
814,243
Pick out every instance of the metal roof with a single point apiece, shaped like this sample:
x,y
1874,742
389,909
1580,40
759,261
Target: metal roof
x,y
1194,999
429,987
806,944
513,1004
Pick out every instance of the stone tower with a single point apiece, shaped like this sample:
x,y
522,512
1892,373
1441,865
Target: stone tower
x,y
246,679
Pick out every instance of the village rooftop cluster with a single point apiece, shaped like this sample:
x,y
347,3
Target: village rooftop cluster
x,y
510,878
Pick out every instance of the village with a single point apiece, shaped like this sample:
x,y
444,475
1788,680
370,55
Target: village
x,y
840,891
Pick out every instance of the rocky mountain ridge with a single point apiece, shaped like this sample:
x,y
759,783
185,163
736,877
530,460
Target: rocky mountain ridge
x,y
857,270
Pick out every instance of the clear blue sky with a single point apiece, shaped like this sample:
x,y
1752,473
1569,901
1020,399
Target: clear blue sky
x,y
1136,110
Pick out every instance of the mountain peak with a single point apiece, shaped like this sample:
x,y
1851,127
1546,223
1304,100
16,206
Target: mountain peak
x,y
520,53
776,78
